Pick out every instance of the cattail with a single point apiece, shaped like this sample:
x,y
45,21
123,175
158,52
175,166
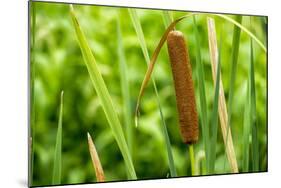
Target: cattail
x,y
185,97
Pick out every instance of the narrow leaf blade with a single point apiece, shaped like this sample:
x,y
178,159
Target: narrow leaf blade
x,y
167,18
57,158
214,118
234,58
202,93
32,32
127,112
255,141
233,64
103,95
246,133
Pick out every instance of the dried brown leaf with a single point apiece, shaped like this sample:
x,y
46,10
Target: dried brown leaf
x,y
95,160
227,137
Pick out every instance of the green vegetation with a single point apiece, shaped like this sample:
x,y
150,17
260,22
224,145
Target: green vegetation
x,y
140,35
103,95
57,157
201,85
98,56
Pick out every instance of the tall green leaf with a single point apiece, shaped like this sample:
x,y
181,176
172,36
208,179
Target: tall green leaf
x,y
246,132
202,93
103,95
32,15
255,141
233,68
167,18
57,158
214,118
127,112
138,28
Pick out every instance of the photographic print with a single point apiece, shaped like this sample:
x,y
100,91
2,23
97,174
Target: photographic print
x,y
120,93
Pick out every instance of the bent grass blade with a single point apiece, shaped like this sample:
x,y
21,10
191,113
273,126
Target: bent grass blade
x,y
244,29
138,28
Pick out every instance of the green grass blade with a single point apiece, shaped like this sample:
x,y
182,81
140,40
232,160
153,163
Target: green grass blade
x,y
202,93
264,28
214,117
127,112
167,18
255,142
103,95
199,158
57,158
138,28
234,58
233,68
244,29
246,133
214,124
32,96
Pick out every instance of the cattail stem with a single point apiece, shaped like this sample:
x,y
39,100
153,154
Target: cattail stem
x,y
184,89
192,160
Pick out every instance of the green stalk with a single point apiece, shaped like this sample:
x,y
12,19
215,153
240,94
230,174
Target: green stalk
x,y
246,132
202,96
192,160
138,28
57,158
32,96
263,21
103,95
233,68
167,18
214,120
127,112
255,141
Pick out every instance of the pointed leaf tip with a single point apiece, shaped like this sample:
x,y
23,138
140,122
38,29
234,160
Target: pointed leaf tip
x,y
88,135
71,7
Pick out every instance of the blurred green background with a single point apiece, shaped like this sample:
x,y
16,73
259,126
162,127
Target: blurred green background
x,y
58,65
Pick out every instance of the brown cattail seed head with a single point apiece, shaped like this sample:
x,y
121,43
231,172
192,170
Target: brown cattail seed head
x,y
185,96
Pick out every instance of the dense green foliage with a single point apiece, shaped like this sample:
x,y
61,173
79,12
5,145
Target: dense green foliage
x,y
57,64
